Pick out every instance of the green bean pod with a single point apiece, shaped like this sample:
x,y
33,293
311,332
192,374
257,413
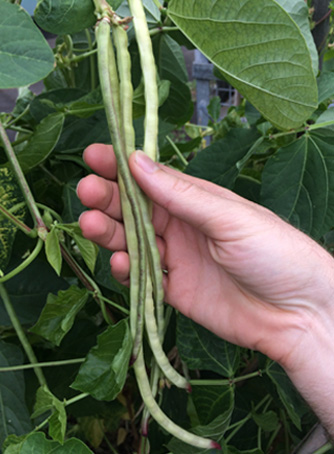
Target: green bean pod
x,y
159,415
110,89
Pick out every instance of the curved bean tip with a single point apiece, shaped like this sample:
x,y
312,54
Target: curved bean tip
x,y
144,430
132,360
215,445
189,388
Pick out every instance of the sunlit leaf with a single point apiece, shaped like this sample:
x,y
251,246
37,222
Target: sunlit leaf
x,y
260,51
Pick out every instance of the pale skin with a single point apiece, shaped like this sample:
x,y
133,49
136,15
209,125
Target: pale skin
x,y
233,266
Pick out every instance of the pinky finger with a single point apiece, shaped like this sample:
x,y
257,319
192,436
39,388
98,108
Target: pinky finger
x,y
120,267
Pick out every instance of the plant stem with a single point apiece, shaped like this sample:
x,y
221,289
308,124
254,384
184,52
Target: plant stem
x,y
91,60
16,119
177,151
111,303
75,399
14,220
238,425
230,381
156,31
21,178
21,335
79,58
25,263
65,362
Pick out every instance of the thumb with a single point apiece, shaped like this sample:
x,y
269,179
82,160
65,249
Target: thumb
x,y
182,198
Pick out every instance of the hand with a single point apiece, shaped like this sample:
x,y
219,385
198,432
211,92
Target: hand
x,y
233,266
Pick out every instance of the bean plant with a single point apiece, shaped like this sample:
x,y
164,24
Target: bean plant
x,y
91,366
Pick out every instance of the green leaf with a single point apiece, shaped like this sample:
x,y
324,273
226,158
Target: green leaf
x,y
267,421
325,85
64,16
298,182
87,248
10,195
104,371
59,313
14,415
67,16
326,118
52,250
178,107
299,12
29,289
46,401
214,405
201,349
260,51
26,59
291,399
37,443
42,143
138,99
219,162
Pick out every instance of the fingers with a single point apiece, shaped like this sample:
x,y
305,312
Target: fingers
x,y
103,230
120,267
183,198
101,194
101,159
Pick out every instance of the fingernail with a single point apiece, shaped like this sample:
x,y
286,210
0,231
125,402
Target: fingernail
x,y
145,163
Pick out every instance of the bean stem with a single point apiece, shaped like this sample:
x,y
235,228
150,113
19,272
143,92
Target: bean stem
x,y
21,335
65,362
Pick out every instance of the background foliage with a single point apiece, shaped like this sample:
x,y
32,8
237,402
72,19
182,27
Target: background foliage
x,y
59,304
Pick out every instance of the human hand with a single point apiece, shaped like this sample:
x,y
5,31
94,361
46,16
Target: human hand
x,y
233,266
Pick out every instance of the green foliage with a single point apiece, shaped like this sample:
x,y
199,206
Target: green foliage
x,y
279,82
275,148
27,59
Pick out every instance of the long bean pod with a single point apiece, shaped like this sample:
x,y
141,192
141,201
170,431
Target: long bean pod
x,y
159,415
150,138
110,89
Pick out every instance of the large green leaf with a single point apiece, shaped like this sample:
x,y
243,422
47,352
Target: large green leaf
x,y
219,162
67,16
298,182
260,51
29,289
10,195
214,406
45,402
14,416
201,349
291,399
326,85
299,12
42,142
37,443
59,313
104,371
25,56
